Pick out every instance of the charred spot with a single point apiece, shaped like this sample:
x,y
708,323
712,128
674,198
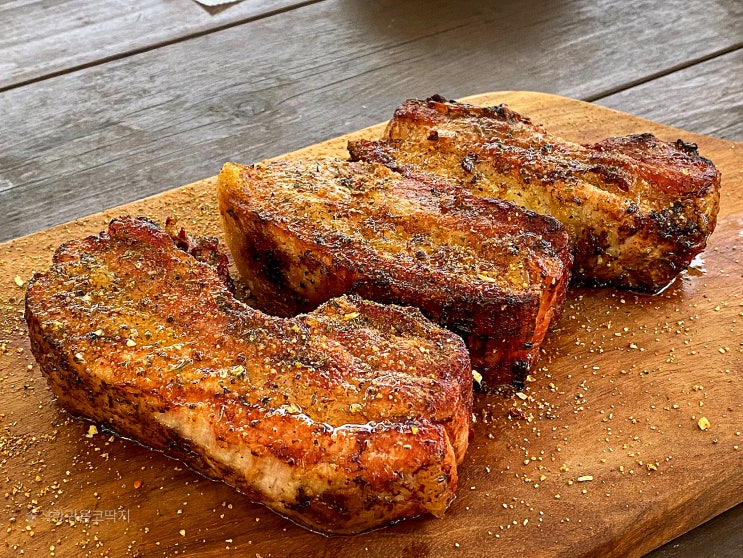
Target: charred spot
x,y
687,147
525,175
273,268
672,225
645,138
594,243
462,326
433,135
92,337
469,162
500,111
437,98
520,369
627,230
302,500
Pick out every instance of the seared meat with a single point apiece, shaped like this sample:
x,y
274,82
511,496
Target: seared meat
x,y
343,419
304,231
637,209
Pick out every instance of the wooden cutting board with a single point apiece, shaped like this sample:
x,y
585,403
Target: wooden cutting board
x,y
604,456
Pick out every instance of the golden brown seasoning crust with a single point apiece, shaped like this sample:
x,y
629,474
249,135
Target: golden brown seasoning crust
x,y
304,231
344,419
637,209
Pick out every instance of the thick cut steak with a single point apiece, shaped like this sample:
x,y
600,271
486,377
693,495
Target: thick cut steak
x,y
637,209
304,231
344,419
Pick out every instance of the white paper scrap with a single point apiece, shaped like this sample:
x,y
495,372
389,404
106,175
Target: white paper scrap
x,y
212,3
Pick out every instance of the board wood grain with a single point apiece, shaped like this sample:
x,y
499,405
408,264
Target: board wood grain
x,y
604,457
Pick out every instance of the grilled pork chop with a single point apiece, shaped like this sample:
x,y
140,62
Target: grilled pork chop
x,y
637,209
304,231
343,419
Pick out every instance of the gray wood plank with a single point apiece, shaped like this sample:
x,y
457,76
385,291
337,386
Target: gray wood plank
x,y
96,138
720,537
43,38
707,98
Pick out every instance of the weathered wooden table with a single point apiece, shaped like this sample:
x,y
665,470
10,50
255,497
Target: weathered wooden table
x,y
104,103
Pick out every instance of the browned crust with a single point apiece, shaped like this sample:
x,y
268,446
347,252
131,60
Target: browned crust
x,y
307,230
637,209
137,334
